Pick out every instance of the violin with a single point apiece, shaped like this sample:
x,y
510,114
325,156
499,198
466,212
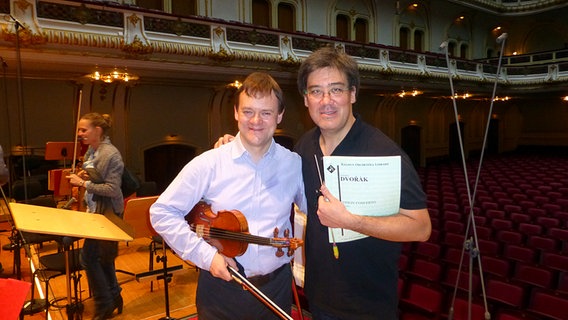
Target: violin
x,y
227,230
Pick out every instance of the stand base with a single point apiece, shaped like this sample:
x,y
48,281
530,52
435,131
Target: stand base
x,y
34,306
75,311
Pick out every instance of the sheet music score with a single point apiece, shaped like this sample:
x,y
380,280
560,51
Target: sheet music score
x,y
368,186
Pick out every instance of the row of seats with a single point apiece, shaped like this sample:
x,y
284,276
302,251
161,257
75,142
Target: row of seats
x,y
520,261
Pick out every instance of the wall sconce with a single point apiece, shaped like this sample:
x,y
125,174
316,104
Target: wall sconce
x,y
565,98
235,84
506,98
412,93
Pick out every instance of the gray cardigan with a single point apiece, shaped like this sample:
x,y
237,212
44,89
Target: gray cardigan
x,y
106,188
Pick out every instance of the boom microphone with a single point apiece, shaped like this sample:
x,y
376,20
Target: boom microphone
x,y
502,37
443,45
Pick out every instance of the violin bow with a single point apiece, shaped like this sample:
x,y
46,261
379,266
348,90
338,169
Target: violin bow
x,y
258,294
76,131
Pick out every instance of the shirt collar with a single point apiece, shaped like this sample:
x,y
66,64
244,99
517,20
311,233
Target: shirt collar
x,y
238,150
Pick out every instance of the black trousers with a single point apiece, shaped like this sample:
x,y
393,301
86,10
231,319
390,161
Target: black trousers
x,y
218,299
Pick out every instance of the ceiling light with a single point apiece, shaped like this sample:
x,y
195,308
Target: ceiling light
x,y
116,74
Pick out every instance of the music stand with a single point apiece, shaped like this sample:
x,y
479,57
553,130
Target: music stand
x,y
60,151
69,223
137,214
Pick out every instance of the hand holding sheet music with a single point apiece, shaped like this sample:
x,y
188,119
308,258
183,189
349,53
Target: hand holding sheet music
x,y
368,186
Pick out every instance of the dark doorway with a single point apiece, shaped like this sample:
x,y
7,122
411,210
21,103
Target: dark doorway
x,y
410,143
493,137
163,163
455,148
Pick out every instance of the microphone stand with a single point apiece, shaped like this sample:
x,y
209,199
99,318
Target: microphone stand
x,y
23,138
471,244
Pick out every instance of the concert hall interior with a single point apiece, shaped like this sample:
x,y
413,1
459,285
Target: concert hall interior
x,y
479,85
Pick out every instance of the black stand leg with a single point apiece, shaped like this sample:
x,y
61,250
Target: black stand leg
x,y
167,279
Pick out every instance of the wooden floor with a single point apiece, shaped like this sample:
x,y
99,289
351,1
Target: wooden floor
x,y
140,302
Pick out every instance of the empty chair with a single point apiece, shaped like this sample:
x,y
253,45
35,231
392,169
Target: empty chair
x,y
453,256
533,275
540,200
504,202
454,226
555,261
562,285
450,206
548,305
519,253
452,215
529,229
518,197
501,224
510,208
426,270
461,310
547,222
488,247
453,240
495,214
560,235
496,267
489,205
452,279
551,207
422,299
520,218
504,293
428,250
542,243
510,237
536,212
483,232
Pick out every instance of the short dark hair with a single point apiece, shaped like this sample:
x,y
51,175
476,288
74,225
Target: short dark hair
x,y
258,85
325,57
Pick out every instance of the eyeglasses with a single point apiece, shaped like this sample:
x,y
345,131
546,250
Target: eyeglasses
x,y
334,92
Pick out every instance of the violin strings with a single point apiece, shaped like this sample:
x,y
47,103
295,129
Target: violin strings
x,y
233,235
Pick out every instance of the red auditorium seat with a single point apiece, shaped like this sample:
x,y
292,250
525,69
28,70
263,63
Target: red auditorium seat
x,y
509,237
548,305
452,215
489,247
453,255
495,214
480,220
504,293
504,202
496,267
461,310
555,261
534,276
510,208
551,208
428,250
426,270
483,232
501,224
450,207
535,212
403,262
540,200
453,240
542,243
529,229
421,299
487,205
563,203
451,279
520,218
562,285
548,222
454,226
518,197
519,253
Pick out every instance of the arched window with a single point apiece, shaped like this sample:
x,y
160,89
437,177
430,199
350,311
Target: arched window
x,y
184,7
151,4
342,26
261,13
452,49
286,17
177,7
361,30
404,38
463,51
418,40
